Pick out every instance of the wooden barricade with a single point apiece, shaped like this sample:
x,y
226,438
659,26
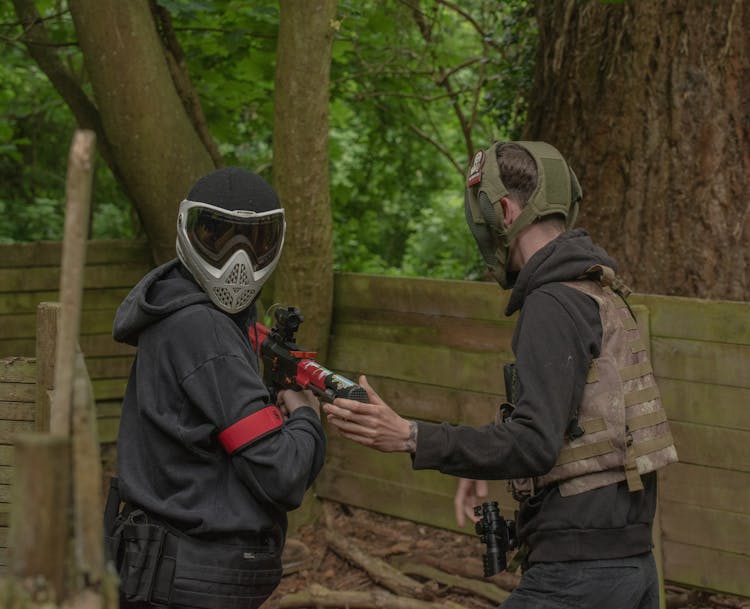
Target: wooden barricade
x,y
17,415
434,350
701,356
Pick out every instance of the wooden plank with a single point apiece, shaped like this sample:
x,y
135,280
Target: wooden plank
x,y
399,500
700,526
109,367
46,278
17,411
437,330
431,365
48,253
433,403
712,446
98,321
9,430
6,454
706,403
700,361
5,493
91,345
23,347
17,392
396,468
103,345
107,429
25,302
109,409
18,370
6,474
710,487
697,319
109,389
463,299
706,568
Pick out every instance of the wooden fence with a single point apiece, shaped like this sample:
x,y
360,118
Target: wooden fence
x,y
434,350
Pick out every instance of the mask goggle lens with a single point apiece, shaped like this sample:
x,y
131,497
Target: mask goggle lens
x,y
218,235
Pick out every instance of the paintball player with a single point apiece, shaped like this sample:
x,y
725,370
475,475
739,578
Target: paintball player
x,y
583,430
207,467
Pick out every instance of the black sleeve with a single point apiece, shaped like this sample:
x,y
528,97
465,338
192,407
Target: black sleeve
x,y
556,335
222,385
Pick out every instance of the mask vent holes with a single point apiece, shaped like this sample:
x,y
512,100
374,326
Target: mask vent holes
x,y
244,298
224,296
238,276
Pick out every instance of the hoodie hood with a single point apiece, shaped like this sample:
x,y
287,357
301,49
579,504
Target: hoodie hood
x,y
160,293
565,258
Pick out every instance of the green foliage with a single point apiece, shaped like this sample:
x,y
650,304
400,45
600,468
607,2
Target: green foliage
x,y
415,92
35,134
416,87
230,47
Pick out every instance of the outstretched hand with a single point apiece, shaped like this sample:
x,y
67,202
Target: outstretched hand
x,y
469,493
372,424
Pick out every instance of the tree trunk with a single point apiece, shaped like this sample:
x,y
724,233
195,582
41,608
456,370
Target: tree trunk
x,y
156,146
300,164
650,104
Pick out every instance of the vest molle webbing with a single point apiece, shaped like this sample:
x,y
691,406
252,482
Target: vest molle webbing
x,y
626,433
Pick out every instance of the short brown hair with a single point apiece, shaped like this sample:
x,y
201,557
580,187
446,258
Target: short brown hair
x,y
517,171
519,174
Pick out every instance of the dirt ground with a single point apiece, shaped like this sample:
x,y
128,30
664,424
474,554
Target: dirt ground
x,y
317,575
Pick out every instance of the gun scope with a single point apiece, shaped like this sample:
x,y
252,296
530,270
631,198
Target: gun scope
x,y
497,534
288,320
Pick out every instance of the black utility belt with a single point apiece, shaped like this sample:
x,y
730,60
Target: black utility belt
x,y
160,566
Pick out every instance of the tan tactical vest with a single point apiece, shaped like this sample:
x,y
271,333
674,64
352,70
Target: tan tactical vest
x,y
626,433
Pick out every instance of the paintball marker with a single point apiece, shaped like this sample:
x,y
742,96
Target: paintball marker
x,y
498,534
287,366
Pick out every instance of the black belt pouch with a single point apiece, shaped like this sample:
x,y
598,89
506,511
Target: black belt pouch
x,y
140,549
218,576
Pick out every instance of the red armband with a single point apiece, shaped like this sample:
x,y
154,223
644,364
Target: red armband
x,y
252,427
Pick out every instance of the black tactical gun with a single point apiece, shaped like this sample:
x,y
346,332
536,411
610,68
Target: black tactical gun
x,y
497,533
287,366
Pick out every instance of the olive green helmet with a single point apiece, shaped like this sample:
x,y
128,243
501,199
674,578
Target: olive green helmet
x,y
557,192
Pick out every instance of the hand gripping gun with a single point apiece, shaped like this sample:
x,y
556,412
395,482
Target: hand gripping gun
x,y
287,366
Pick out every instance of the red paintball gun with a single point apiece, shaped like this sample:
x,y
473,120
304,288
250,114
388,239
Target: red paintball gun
x,y
287,366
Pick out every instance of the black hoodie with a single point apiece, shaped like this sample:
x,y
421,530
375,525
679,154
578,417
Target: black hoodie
x,y
557,335
194,375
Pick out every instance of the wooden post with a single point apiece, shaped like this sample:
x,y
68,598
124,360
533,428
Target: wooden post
x,y
78,197
53,486
47,315
87,479
39,515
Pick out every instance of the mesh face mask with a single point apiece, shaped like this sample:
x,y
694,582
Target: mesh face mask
x,y
557,192
229,253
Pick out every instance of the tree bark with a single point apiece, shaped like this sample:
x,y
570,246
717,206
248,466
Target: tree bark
x,y
650,104
154,141
304,277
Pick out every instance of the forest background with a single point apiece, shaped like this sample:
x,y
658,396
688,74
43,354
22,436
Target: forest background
x,y
364,116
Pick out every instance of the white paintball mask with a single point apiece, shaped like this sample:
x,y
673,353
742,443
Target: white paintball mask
x,y
230,253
